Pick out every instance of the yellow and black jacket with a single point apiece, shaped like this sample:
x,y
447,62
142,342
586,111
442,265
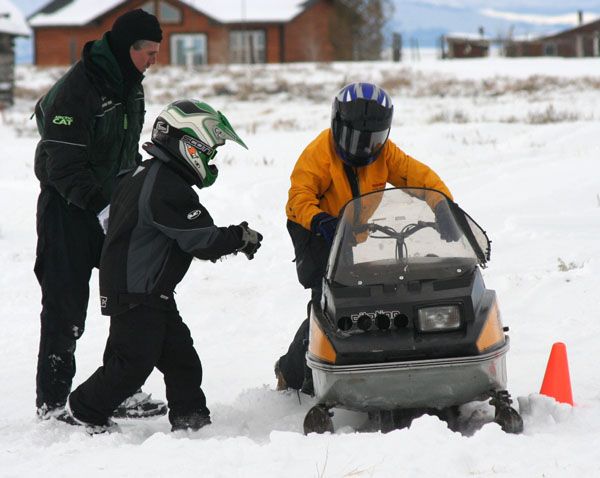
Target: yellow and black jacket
x,y
322,183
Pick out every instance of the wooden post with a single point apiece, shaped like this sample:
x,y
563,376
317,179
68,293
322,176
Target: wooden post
x,y
396,46
443,47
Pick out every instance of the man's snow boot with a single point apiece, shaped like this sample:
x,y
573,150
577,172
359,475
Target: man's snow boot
x,y
68,417
46,413
140,405
192,422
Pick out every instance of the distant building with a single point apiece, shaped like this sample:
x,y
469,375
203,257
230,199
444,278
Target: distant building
x,y
465,45
580,41
12,24
195,32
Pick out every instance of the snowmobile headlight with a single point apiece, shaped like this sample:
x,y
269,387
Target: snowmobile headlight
x,y
318,344
439,319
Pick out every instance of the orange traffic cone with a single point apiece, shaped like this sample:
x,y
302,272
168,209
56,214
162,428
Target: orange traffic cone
x,y
557,382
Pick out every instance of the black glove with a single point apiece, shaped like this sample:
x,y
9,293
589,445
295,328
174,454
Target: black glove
x,y
250,240
447,226
324,225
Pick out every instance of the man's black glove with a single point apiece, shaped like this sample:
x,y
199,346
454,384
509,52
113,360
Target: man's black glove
x,y
250,240
324,225
447,226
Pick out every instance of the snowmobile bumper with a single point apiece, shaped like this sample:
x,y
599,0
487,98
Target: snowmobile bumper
x,y
436,383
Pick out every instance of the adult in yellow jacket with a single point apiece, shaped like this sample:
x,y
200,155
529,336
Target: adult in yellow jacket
x,y
353,157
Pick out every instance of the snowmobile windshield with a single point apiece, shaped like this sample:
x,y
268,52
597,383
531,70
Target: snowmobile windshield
x,y
404,234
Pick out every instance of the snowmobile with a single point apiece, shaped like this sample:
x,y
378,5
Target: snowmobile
x,y
406,325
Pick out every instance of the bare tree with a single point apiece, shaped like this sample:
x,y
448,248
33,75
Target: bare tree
x,y
343,24
358,28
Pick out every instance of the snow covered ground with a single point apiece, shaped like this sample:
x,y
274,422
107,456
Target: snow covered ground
x,y
516,141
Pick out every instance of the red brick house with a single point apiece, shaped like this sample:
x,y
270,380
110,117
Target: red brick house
x,y
580,41
465,45
195,32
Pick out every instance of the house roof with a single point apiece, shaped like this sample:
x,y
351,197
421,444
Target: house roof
x,y
234,11
467,36
576,29
81,12
12,20
552,35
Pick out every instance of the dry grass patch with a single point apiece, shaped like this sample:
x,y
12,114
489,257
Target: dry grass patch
x,y
456,116
551,115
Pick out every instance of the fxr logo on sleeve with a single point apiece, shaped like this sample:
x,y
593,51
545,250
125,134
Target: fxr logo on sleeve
x,y
63,120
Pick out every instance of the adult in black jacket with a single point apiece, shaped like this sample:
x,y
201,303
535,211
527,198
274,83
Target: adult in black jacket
x,y
90,123
157,226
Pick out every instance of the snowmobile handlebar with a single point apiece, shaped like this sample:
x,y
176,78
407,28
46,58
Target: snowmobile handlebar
x,y
399,236
406,231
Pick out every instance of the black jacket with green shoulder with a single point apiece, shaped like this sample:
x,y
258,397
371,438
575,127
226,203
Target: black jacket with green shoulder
x,y
157,226
90,129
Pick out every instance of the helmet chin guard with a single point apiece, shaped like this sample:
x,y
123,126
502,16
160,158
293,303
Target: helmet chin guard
x,y
191,131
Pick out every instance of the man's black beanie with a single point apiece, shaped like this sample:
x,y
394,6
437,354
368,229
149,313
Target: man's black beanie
x,y
128,28
133,26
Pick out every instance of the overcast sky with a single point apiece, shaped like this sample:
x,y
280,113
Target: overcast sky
x,y
538,6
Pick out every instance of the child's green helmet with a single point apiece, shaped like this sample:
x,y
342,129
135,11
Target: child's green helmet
x,y
191,131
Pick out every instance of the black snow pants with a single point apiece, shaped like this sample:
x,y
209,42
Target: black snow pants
x,y
140,339
68,248
311,254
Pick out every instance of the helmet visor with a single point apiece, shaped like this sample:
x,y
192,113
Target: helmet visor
x,y
361,146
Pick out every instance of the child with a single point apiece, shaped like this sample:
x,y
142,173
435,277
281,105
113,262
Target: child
x,y
157,226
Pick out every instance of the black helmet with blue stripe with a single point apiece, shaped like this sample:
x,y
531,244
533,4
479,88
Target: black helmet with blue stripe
x,y
361,119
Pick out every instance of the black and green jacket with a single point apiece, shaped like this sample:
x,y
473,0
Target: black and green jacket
x,y
90,128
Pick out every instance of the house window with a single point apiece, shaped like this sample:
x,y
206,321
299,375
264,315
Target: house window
x,y
188,49
149,7
167,13
247,46
550,49
73,50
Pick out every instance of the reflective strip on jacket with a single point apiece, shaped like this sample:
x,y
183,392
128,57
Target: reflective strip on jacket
x,y
319,182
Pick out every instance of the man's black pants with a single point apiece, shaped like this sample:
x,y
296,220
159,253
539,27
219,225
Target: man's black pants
x,y
68,248
293,365
141,339
311,254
